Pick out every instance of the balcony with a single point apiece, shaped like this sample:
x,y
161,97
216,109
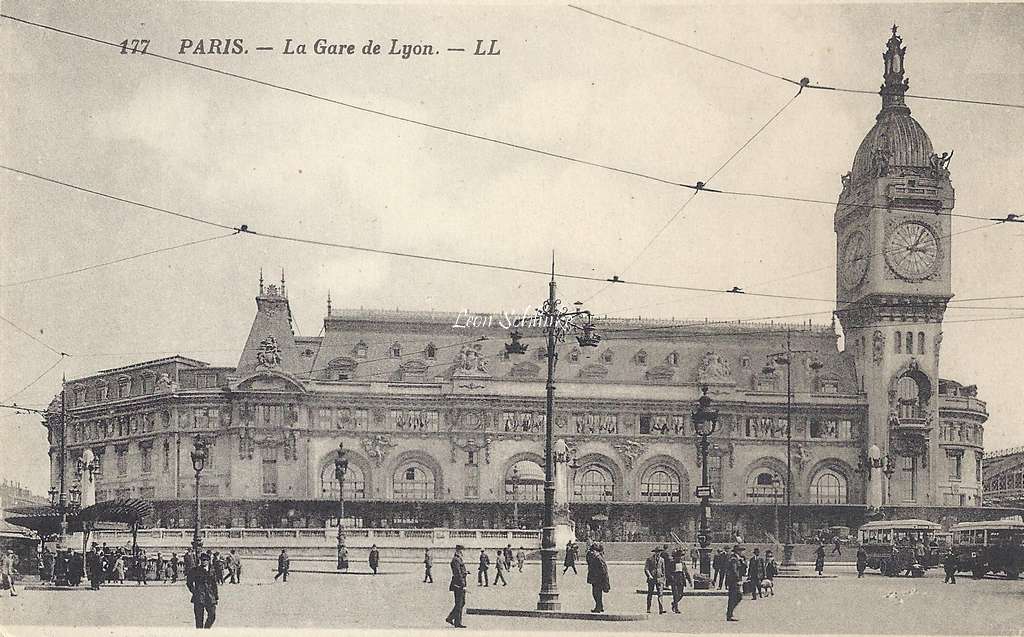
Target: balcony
x,y
963,403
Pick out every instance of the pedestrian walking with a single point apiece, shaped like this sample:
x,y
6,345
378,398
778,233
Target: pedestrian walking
x,y
862,561
508,557
238,570
174,568
228,566
597,576
571,554
520,558
950,564
140,566
283,565
482,569
755,573
202,583
8,563
374,558
694,557
217,566
678,578
233,566
771,569
160,563
190,560
428,565
736,568
721,562
837,546
500,568
654,571
94,564
819,559
458,588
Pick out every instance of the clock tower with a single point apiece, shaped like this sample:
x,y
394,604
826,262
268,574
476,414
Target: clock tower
x,y
892,227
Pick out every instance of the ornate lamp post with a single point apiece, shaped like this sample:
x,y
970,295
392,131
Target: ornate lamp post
x,y
705,422
515,497
786,358
200,452
340,469
558,323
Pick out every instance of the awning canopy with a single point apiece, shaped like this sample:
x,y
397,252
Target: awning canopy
x,y
126,510
46,523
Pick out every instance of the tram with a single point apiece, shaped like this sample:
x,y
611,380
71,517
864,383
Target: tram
x,y
990,547
899,547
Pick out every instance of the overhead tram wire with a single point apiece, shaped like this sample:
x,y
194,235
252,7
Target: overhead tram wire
x,y
423,257
808,84
115,261
696,187
31,336
36,379
693,195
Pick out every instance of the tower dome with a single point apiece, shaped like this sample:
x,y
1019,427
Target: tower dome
x,y
896,139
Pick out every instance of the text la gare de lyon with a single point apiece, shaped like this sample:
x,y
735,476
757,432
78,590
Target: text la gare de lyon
x,y
323,46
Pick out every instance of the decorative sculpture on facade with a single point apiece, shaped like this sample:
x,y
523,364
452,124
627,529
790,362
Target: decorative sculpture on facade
x,y
377,447
877,347
880,161
630,451
470,361
475,444
801,456
713,369
940,164
164,384
269,354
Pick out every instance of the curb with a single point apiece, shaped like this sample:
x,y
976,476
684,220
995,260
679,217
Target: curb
x,y
689,593
557,614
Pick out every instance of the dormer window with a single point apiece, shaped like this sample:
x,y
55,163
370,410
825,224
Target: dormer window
x,y
607,356
641,357
104,392
745,362
396,350
79,395
672,359
430,351
124,387
360,350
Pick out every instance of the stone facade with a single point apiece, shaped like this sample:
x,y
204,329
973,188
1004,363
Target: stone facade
x,y
442,427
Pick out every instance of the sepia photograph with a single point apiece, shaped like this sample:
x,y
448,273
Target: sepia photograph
x,y
410,317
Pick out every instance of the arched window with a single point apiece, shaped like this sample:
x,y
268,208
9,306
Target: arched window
x,y
660,484
908,397
920,342
430,351
413,481
898,342
355,483
673,359
594,483
765,485
641,357
396,350
829,487
910,342
524,482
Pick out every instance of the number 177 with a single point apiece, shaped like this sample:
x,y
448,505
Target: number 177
x,y
134,46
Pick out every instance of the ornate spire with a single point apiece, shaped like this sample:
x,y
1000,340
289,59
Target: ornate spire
x,y
261,281
895,84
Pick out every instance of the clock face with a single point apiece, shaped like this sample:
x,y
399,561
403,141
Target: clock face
x,y
853,259
913,250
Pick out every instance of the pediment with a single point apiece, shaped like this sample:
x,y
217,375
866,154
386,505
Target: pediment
x,y
270,381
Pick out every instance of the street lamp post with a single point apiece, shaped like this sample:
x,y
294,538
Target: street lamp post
x,y
515,497
705,422
340,469
200,452
557,324
786,358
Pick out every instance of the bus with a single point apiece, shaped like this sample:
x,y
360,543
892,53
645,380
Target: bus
x,y
990,547
900,546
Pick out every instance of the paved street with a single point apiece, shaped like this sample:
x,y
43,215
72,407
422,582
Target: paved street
x,y
399,601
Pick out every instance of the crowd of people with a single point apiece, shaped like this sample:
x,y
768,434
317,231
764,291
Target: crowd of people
x,y
107,565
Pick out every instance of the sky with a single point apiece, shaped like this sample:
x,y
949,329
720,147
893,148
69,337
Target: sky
x,y
236,152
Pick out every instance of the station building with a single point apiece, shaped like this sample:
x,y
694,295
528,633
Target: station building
x,y
443,428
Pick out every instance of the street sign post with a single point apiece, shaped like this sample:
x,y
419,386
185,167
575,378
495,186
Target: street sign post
x,y
703,491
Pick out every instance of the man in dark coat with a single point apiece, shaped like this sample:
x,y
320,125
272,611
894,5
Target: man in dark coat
x,y
950,564
481,570
862,561
597,576
374,559
160,567
678,577
719,564
571,554
283,565
458,588
428,566
94,564
819,559
189,560
654,571
735,569
202,583
755,573
174,568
